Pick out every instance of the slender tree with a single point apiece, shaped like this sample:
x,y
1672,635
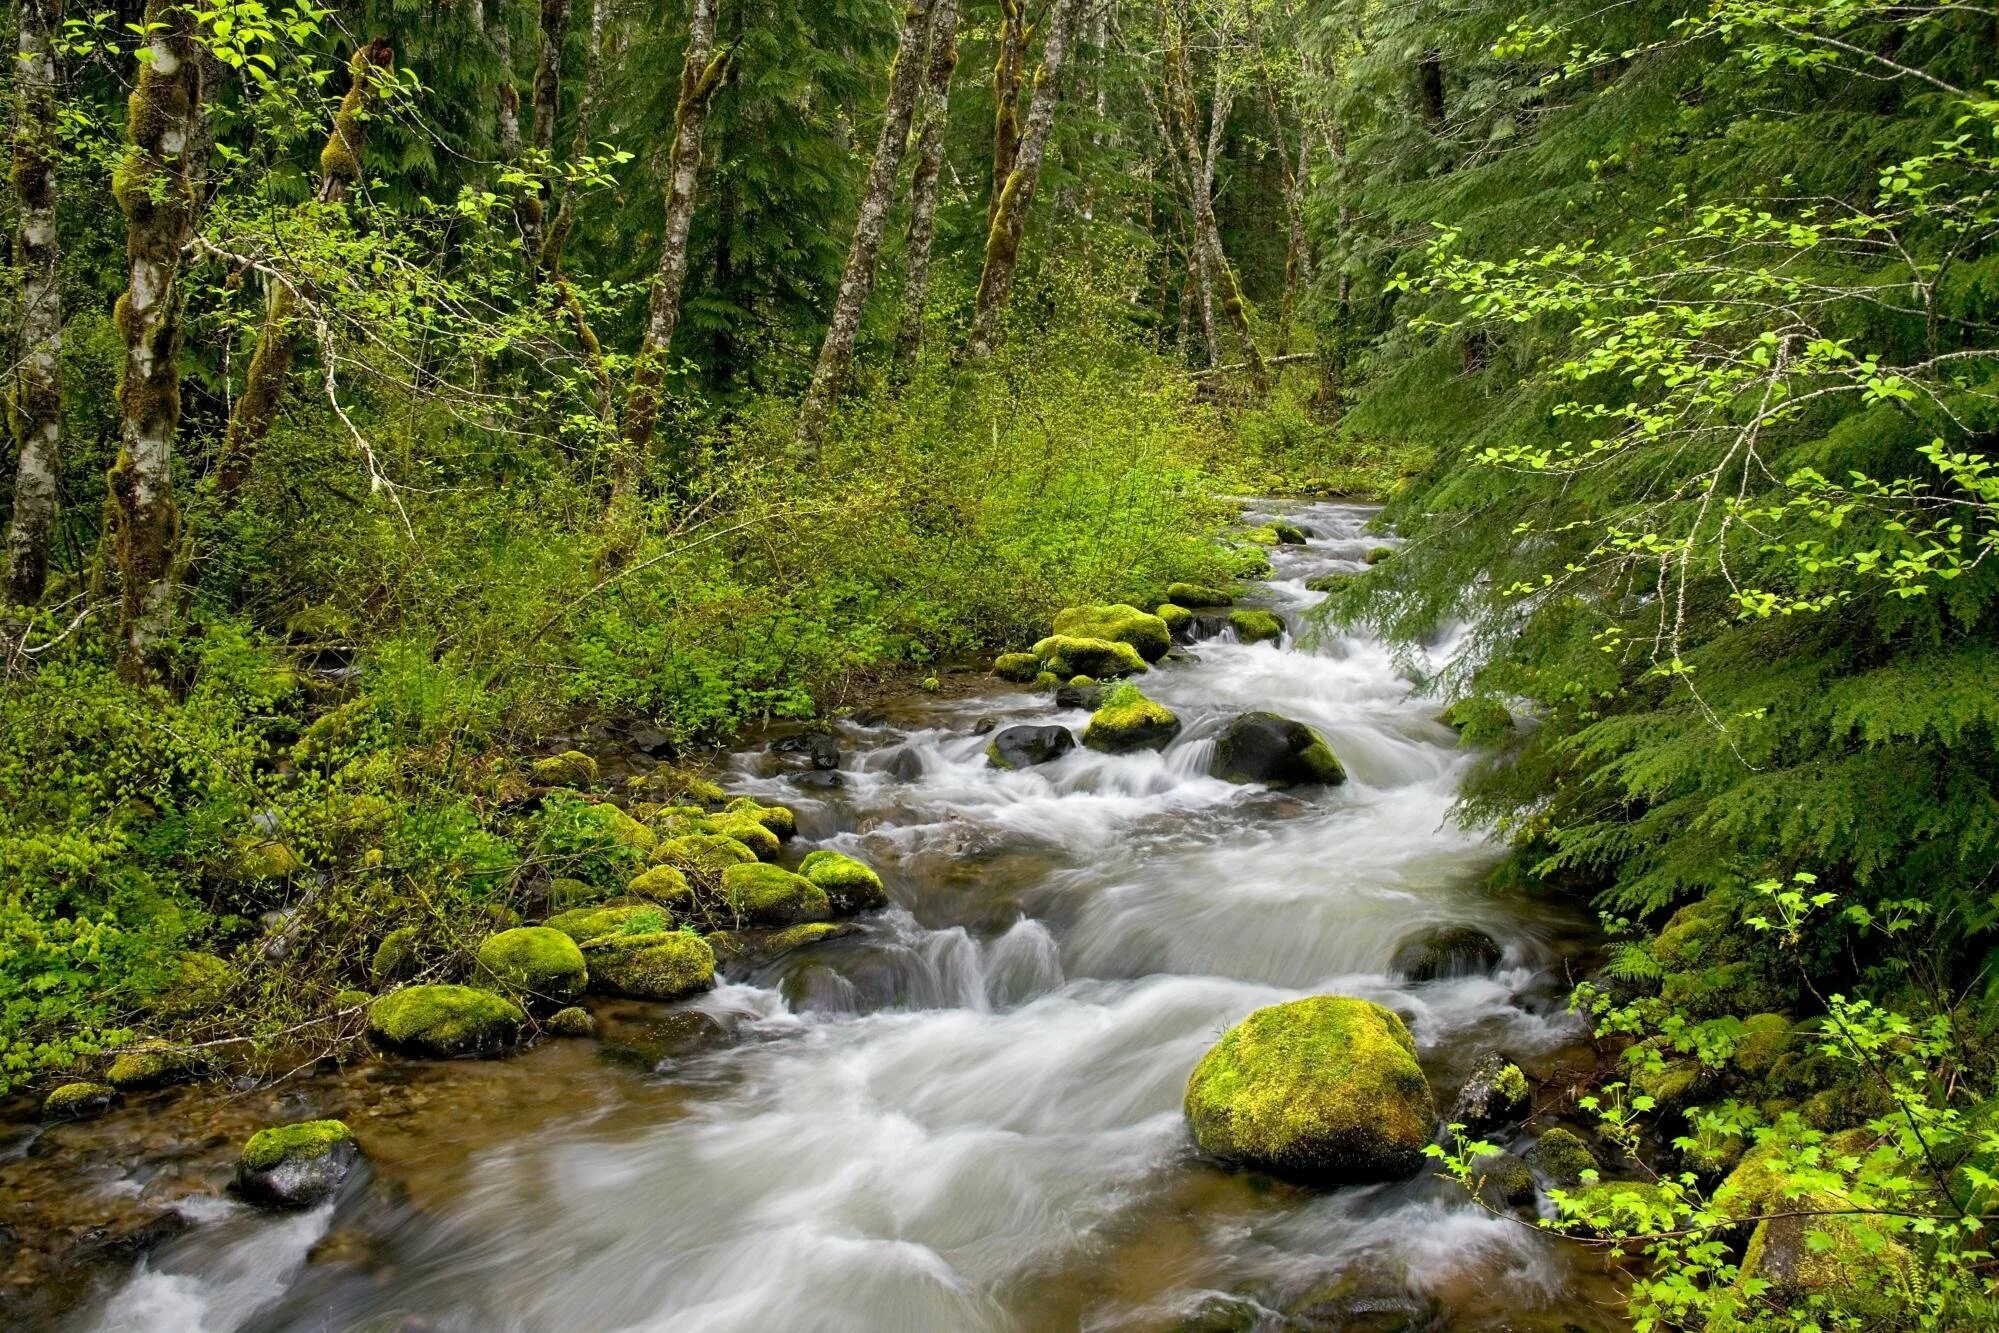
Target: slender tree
x,y
1009,68
1009,224
925,180
154,190
37,396
565,221
857,280
531,207
270,366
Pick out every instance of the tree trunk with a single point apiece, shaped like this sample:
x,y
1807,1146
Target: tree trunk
x,y
1008,70
925,181
1297,250
700,74
531,207
155,193
565,221
857,280
1221,278
1009,223
1430,89
270,364
37,414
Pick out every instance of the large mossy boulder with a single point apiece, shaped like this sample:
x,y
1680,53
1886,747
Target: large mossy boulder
x,y
658,965
1179,621
296,1166
537,961
571,768
441,1022
1025,746
1325,1088
703,855
1445,951
1850,1268
665,885
764,895
849,885
1019,667
1255,626
1197,596
1117,623
1127,720
1067,657
583,924
783,825
1275,751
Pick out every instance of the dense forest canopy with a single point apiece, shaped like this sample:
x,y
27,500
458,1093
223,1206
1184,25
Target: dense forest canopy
x,y
394,385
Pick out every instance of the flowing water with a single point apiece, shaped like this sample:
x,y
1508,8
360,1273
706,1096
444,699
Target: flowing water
x,y
966,1114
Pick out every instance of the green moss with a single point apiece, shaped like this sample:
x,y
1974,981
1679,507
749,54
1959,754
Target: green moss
x,y
1331,581
1764,1038
571,1022
664,885
1083,682
1501,1179
1177,619
627,831
441,1021
1047,680
396,956
201,981
537,960
1698,935
344,1000
1322,1087
777,818
1253,626
1726,988
1847,1266
1561,1157
1021,667
705,855
811,932
150,1064
1480,719
1196,595
1117,623
1265,535
75,1101
765,895
571,768
1511,1085
1379,554
1670,1085
849,885
747,830
1068,656
282,1143
259,858
659,965
1127,720
584,924
567,892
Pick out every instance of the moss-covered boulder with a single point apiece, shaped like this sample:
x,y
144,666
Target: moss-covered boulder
x,y
571,768
849,885
1197,596
748,830
1325,1088
660,965
1275,751
703,855
1379,554
584,924
1560,1157
1445,951
1021,667
536,961
1127,720
1496,1094
79,1101
296,1166
754,948
571,1022
1026,745
1117,623
1256,626
764,895
1501,1180
151,1064
1179,621
396,957
1102,659
1850,1268
439,1022
1262,535
1333,580
1765,1038
1700,935
779,819
665,885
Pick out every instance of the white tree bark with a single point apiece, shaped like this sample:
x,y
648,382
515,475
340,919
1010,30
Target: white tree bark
x,y
38,378
925,181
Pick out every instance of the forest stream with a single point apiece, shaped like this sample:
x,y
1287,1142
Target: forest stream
x,y
966,1112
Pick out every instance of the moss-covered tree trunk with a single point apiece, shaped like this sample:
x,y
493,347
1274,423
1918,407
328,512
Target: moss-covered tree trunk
x,y
270,365
530,206
1209,256
1009,224
701,72
857,279
154,190
37,395
925,181
1009,68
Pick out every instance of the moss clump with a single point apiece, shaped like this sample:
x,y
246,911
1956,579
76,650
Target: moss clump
x,y
79,1101
535,960
764,895
571,768
625,830
396,956
1320,1088
664,885
1479,719
1728,988
443,1021
1047,680
747,830
849,885
777,818
1021,667
259,858
704,855
1179,621
1196,595
1765,1037
201,981
1148,634
658,965
281,1143
1561,1157
571,1022
1699,935
344,1000
1331,581
1253,626
567,892
1846,1266
1379,554
151,1064
1502,1180
584,924
1067,655
1127,720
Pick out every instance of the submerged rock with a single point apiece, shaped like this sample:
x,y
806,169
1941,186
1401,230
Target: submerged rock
x,y
1026,746
1445,951
1127,720
1331,581
849,885
440,1022
1068,656
1496,1094
79,1101
1118,623
1197,596
656,965
538,961
296,1166
1253,626
1079,696
764,895
1275,751
1325,1088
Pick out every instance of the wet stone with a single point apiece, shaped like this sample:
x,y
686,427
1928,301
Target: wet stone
x,y
1026,746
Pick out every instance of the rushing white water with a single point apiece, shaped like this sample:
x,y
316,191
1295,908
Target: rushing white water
x,y
968,1115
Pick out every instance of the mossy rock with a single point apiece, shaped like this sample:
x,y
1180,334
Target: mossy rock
x,y
1068,656
79,1101
850,886
673,784
1255,626
1276,752
1699,935
396,956
1197,596
1325,1088
1496,1094
1479,719
344,1000
1725,988
565,892
151,1064
584,924
626,831
1179,621
1765,1038
322,622
533,960
1672,1084
1148,634
755,948
704,855
1379,554
258,858
664,885
1127,720
764,895
201,982
1265,535
1445,951
1333,580
1846,1267
748,830
1047,680
777,818
296,1166
1561,1157
440,1022
571,1022
1501,1180
1021,667
571,768
661,965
